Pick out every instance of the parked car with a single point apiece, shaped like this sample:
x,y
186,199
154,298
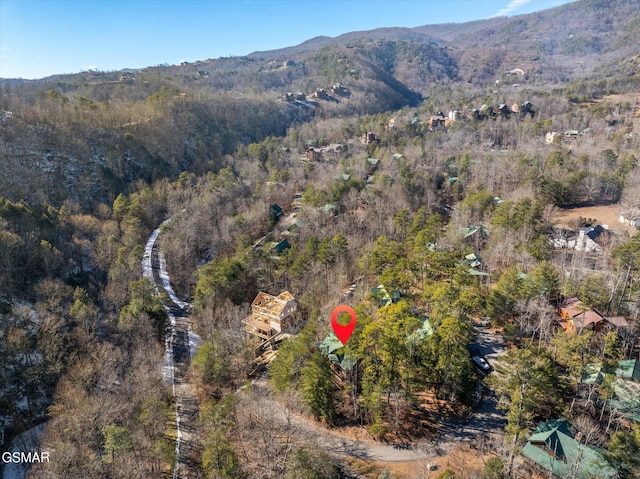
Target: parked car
x,y
482,364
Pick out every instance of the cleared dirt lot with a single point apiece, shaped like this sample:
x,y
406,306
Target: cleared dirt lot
x,y
604,214
631,98
467,462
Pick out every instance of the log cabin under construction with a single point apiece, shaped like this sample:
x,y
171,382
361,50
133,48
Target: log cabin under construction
x,y
271,315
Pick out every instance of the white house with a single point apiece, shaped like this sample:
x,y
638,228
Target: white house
x,y
584,241
630,222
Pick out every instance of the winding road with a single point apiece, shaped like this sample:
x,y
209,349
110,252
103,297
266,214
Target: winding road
x,y
180,345
485,422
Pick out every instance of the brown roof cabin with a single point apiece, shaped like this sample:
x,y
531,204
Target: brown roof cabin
x,y
321,93
523,109
368,138
435,122
271,315
575,316
333,151
504,110
314,154
338,89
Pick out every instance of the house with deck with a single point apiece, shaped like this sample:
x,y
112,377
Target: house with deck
x,y
436,122
338,89
588,238
629,220
555,448
314,154
271,315
576,316
368,138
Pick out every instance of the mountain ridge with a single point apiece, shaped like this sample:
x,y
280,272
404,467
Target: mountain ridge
x,y
158,121
579,37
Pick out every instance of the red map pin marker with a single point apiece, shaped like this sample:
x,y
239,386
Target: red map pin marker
x,y
343,332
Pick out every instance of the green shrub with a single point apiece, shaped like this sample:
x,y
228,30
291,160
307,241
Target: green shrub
x,y
447,474
493,468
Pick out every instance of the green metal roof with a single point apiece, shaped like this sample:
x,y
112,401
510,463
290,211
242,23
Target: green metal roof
x,y
547,429
629,369
626,399
330,344
473,261
475,272
330,209
333,349
592,374
279,246
554,448
471,230
383,297
626,386
424,331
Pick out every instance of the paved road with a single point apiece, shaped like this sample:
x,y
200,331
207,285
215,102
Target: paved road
x,y
486,421
489,344
178,351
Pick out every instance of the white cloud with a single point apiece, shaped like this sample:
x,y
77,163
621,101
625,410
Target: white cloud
x,y
513,6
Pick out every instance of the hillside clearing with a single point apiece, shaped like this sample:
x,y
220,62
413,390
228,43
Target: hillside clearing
x,y
603,214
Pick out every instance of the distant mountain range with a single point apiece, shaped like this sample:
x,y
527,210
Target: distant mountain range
x,y
576,40
93,133
581,39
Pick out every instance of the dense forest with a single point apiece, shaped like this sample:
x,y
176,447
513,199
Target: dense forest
x,y
408,187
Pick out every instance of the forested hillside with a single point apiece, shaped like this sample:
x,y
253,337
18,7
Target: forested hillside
x,y
442,186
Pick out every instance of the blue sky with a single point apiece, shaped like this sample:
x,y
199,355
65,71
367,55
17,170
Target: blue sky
x,y
39,38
